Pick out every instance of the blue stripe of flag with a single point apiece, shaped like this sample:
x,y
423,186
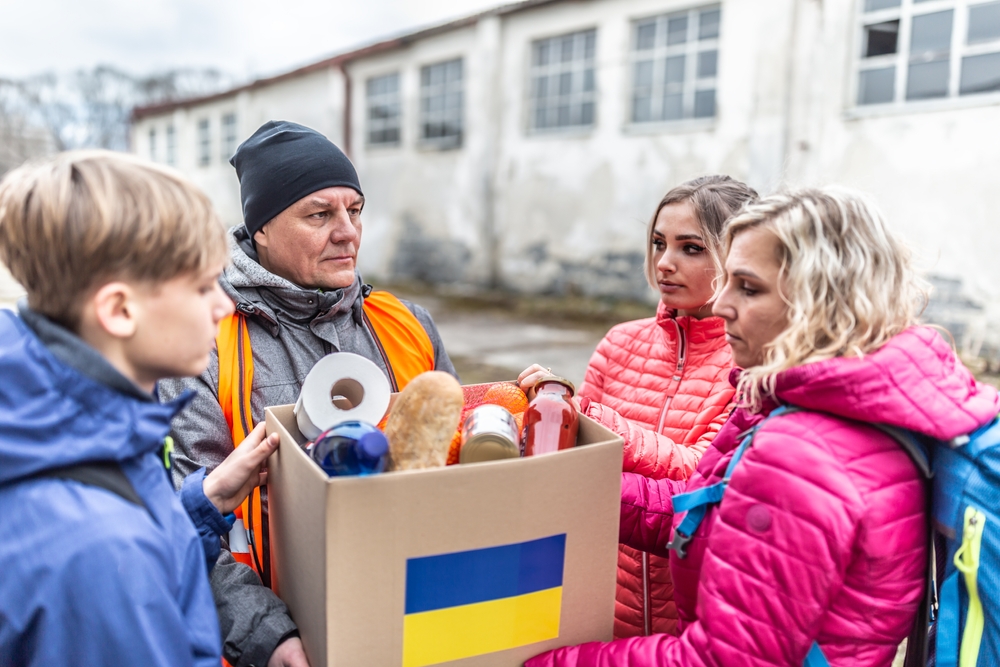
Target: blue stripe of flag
x,y
468,577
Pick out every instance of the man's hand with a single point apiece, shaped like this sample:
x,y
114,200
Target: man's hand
x,y
289,653
229,484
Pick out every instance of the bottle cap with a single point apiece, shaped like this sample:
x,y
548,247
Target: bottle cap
x,y
374,444
554,378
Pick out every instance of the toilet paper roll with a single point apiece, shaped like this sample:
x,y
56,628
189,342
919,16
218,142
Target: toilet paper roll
x,y
341,387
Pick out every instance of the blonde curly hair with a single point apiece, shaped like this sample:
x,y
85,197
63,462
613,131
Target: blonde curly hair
x,y
847,279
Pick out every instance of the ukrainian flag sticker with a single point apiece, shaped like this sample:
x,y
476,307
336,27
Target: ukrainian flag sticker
x,y
468,603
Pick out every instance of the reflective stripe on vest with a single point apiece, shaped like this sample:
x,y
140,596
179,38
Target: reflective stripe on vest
x,y
406,351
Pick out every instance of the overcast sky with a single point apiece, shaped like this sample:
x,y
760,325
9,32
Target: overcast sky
x,y
247,38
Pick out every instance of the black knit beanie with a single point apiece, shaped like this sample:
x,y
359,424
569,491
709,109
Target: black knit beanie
x,y
282,163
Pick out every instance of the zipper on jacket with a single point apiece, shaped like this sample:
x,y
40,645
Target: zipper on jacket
x,y
675,381
647,616
381,351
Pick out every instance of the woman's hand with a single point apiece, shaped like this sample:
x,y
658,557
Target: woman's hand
x,y
529,377
229,484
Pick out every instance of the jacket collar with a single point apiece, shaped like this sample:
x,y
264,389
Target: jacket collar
x,y
698,331
257,291
71,350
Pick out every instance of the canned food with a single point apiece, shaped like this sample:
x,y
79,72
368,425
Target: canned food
x,y
490,433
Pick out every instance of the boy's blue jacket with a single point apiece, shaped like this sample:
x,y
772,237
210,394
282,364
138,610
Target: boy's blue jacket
x,y
87,578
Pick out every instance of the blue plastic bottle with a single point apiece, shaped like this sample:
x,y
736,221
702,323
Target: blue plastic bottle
x,y
351,448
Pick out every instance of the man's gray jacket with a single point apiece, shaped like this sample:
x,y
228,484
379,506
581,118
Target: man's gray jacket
x,y
290,328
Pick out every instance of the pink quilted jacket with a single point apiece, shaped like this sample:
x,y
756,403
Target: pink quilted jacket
x,y
821,534
662,384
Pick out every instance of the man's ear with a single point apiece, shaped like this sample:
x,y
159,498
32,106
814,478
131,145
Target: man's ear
x,y
115,309
260,237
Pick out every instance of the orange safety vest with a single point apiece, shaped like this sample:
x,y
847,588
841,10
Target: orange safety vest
x,y
406,350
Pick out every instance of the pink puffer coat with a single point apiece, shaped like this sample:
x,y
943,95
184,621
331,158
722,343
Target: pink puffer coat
x,y
821,534
663,385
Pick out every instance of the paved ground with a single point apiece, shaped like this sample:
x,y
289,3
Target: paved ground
x,y
491,341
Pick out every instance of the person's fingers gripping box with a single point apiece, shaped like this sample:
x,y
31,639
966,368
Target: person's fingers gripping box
x,y
480,564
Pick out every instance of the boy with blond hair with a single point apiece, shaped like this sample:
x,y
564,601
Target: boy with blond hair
x,y
102,563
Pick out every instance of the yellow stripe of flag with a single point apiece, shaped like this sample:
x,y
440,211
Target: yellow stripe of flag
x,y
452,633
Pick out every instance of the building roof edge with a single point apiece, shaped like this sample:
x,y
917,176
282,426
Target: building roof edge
x,y
341,59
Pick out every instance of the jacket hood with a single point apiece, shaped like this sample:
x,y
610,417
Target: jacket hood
x,y
915,381
53,415
259,291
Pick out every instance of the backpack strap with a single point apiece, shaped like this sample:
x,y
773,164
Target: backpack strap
x,y
697,503
107,475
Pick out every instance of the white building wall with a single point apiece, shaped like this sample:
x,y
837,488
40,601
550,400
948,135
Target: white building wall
x,y
566,210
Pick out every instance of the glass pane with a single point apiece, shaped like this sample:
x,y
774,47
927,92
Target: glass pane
x,y
931,33
540,118
980,74
704,104
588,80
453,100
645,36
877,86
542,53
873,5
641,109
565,83
541,86
927,80
707,64
644,74
425,76
455,70
589,44
674,70
566,49
984,23
673,107
708,24
562,115
881,38
677,30
587,113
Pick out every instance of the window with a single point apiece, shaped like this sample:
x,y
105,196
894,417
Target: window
x,y
171,146
441,104
562,81
383,109
228,136
928,49
204,142
675,58
152,144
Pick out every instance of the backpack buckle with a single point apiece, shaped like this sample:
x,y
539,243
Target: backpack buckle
x,y
679,543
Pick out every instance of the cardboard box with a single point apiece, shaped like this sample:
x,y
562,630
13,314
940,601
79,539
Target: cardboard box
x,y
343,549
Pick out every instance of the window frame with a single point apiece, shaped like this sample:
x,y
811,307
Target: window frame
x,y
901,60
170,145
384,124
578,98
151,143
451,141
204,139
228,143
690,84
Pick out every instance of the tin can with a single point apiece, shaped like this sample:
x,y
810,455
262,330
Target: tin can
x,y
490,433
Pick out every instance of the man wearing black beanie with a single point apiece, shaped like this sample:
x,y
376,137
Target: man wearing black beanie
x,y
298,297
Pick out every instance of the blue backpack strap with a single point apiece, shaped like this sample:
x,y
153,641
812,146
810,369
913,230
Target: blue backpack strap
x,y
815,657
696,503
946,650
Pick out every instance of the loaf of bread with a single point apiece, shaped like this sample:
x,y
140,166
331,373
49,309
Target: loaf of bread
x,y
423,420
